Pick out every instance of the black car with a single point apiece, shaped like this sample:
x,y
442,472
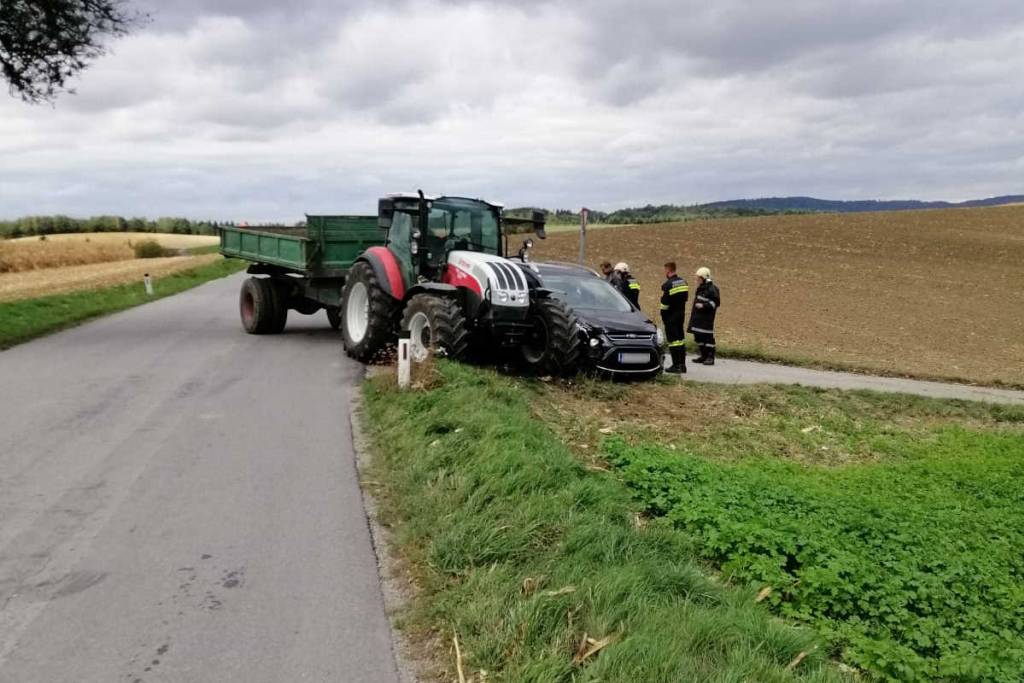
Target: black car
x,y
618,339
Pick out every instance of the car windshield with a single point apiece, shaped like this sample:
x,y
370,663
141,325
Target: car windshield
x,y
586,292
464,224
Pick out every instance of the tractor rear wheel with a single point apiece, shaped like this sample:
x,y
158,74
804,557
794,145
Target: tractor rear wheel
x,y
435,323
367,313
552,346
258,306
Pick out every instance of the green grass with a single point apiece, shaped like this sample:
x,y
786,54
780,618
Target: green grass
x,y
522,551
29,318
892,525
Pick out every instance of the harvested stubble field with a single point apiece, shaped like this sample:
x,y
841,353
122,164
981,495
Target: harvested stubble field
x,y
935,294
35,283
60,251
169,240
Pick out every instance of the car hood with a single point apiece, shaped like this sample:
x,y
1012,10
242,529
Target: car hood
x,y
615,321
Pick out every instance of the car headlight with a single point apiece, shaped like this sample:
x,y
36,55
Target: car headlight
x,y
659,336
594,342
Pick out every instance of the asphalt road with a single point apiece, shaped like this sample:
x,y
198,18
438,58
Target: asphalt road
x,y
178,502
732,371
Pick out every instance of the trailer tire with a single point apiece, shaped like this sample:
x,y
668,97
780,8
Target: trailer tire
x,y
435,324
257,303
279,292
553,347
334,317
367,313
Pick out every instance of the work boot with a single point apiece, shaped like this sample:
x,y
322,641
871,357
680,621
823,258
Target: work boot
x,y
682,359
710,358
702,356
674,368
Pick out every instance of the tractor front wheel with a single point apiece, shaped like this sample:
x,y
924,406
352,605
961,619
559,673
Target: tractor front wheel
x,y
435,324
367,313
552,345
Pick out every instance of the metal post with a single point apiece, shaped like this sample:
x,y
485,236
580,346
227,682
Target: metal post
x,y
146,280
583,232
404,362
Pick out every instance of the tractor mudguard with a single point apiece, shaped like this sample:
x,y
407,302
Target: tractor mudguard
x,y
386,268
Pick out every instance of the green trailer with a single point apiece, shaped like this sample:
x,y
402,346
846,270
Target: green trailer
x,y
306,266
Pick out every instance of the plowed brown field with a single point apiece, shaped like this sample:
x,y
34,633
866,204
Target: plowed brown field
x,y
935,294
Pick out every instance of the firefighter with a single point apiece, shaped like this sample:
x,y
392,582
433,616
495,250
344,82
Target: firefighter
x,y
706,302
628,285
674,293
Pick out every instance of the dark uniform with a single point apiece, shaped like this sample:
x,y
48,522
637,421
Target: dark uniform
x,y
630,288
702,320
674,293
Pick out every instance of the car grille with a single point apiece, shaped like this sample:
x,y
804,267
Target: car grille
x,y
630,336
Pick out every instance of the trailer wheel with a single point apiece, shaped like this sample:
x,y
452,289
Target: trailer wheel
x,y
257,304
367,313
334,317
435,323
279,293
552,345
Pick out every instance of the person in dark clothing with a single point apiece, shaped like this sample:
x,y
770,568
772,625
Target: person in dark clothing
x,y
674,293
613,276
706,302
628,285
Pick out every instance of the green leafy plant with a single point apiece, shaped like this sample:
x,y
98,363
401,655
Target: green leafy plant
x,y
912,567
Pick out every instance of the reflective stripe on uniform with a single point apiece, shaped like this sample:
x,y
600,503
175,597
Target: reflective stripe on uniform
x,y
664,307
633,285
679,290
676,343
698,329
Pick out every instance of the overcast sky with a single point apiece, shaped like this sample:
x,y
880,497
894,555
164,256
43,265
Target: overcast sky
x,y
260,109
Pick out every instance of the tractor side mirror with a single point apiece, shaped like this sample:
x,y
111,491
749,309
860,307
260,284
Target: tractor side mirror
x,y
385,213
538,225
524,251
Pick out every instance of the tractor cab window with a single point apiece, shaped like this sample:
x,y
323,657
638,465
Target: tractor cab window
x,y
466,225
400,241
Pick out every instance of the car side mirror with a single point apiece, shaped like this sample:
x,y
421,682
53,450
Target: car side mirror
x,y
385,213
538,224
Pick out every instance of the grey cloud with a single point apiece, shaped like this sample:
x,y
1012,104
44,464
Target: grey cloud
x,y
264,110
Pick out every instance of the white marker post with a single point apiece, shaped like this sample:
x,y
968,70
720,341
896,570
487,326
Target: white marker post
x,y
146,280
404,362
583,232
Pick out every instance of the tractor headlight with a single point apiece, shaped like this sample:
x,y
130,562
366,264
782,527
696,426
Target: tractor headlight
x,y
502,297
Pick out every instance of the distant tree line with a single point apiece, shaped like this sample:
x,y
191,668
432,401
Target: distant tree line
x,y
53,225
765,206
665,213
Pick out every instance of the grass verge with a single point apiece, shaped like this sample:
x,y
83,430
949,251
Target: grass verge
x,y
893,525
29,318
539,565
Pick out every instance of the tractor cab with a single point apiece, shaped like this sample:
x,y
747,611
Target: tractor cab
x,y
423,231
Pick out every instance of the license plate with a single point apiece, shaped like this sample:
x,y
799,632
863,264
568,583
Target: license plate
x,y
634,358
